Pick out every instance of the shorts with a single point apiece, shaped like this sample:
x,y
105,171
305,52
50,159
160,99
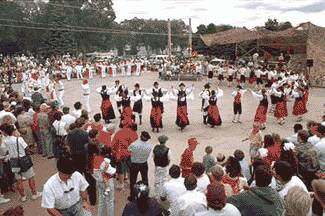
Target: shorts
x,y
123,166
27,175
237,108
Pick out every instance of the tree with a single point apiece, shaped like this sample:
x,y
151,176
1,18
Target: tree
x,y
272,24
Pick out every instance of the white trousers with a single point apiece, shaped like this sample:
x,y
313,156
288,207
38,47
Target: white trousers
x,y
87,103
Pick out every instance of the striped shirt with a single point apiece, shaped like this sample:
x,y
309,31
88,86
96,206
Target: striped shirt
x,y
140,151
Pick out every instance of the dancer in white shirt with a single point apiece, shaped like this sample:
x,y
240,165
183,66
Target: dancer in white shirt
x,y
86,95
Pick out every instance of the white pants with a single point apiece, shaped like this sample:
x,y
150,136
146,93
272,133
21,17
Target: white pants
x,y
90,74
87,103
69,75
138,72
128,73
60,98
79,75
114,73
103,74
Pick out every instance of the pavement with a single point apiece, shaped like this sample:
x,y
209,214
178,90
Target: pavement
x,y
224,139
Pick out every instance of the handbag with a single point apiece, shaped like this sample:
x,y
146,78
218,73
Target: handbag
x,y
20,164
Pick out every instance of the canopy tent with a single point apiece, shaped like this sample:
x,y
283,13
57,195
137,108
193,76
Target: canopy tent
x,y
306,40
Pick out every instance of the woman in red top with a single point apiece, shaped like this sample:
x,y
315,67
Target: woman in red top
x,y
120,144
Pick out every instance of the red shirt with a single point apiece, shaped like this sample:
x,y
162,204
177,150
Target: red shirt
x,y
273,154
187,159
104,137
238,98
121,142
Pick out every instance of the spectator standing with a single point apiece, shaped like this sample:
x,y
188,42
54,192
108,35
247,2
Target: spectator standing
x,y
320,147
216,200
161,158
140,152
65,192
14,145
77,140
187,158
240,156
67,117
45,134
60,129
259,200
208,160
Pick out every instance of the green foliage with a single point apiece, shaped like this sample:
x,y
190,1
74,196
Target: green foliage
x,y
274,25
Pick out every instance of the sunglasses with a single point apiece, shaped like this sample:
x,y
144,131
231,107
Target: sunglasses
x,y
68,191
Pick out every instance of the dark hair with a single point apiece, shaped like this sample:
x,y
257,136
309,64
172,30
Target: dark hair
x,y
303,134
84,115
8,129
198,169
65,166
297,128
92,133
80,122
268,140
65,110
97,117
239,155
233,167
263,176
208,149
72,126
284,170
57,115
15,211
26,104
77,105
19,110
142,198
1,106
289,156
174,171
190,182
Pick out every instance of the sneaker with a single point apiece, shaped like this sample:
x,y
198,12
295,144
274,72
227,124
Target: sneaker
x,y
4,200
23,199
36,196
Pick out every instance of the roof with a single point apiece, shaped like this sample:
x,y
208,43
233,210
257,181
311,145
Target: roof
x,y
239,35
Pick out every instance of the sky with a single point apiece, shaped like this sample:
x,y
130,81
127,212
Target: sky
x,y
248,13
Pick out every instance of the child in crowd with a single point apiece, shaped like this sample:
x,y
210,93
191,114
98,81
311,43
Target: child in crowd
x,y
107,172
208,160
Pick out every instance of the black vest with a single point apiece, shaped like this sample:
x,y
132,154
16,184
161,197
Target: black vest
x,y
160,158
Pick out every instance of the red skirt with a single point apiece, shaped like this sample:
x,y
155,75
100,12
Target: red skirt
x,y
260,115
127,117
107,110
299,108
214,115
156,117
281,110
182,118
251,80
86,73
110,71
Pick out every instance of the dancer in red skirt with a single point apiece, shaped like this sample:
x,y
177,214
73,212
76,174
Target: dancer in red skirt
x,y
214,118
281,111
187,158
261,111
106,107
181,94
127,117
299,106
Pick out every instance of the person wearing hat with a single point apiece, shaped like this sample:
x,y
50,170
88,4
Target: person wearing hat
x,y
65,193
205,94
140,152
86,94
106,106
216,200
237,95
161,158
187,158
181,95
137,96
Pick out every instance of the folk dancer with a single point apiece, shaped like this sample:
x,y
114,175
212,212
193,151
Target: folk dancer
x,y
138,68
122,68
181,95
79,70
86,95
210,73
106,106
220,72
60,86
237,95
118,89
187,157
299,107
261,111
114,68
52,92
137,96
69,70
205,94
128,68
157,109
127,117
281,111
214,118
231,73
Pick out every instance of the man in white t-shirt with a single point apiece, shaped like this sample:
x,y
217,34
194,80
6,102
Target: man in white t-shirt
x,y
284,173
173,189
67,117
203,180
192,201
65,192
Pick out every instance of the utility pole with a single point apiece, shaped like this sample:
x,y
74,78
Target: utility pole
x,y
190,37
169,39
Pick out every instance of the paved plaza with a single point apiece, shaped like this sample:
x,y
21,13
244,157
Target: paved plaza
x,y
224,139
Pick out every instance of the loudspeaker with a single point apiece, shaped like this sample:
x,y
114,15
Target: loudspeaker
x,y
310,62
